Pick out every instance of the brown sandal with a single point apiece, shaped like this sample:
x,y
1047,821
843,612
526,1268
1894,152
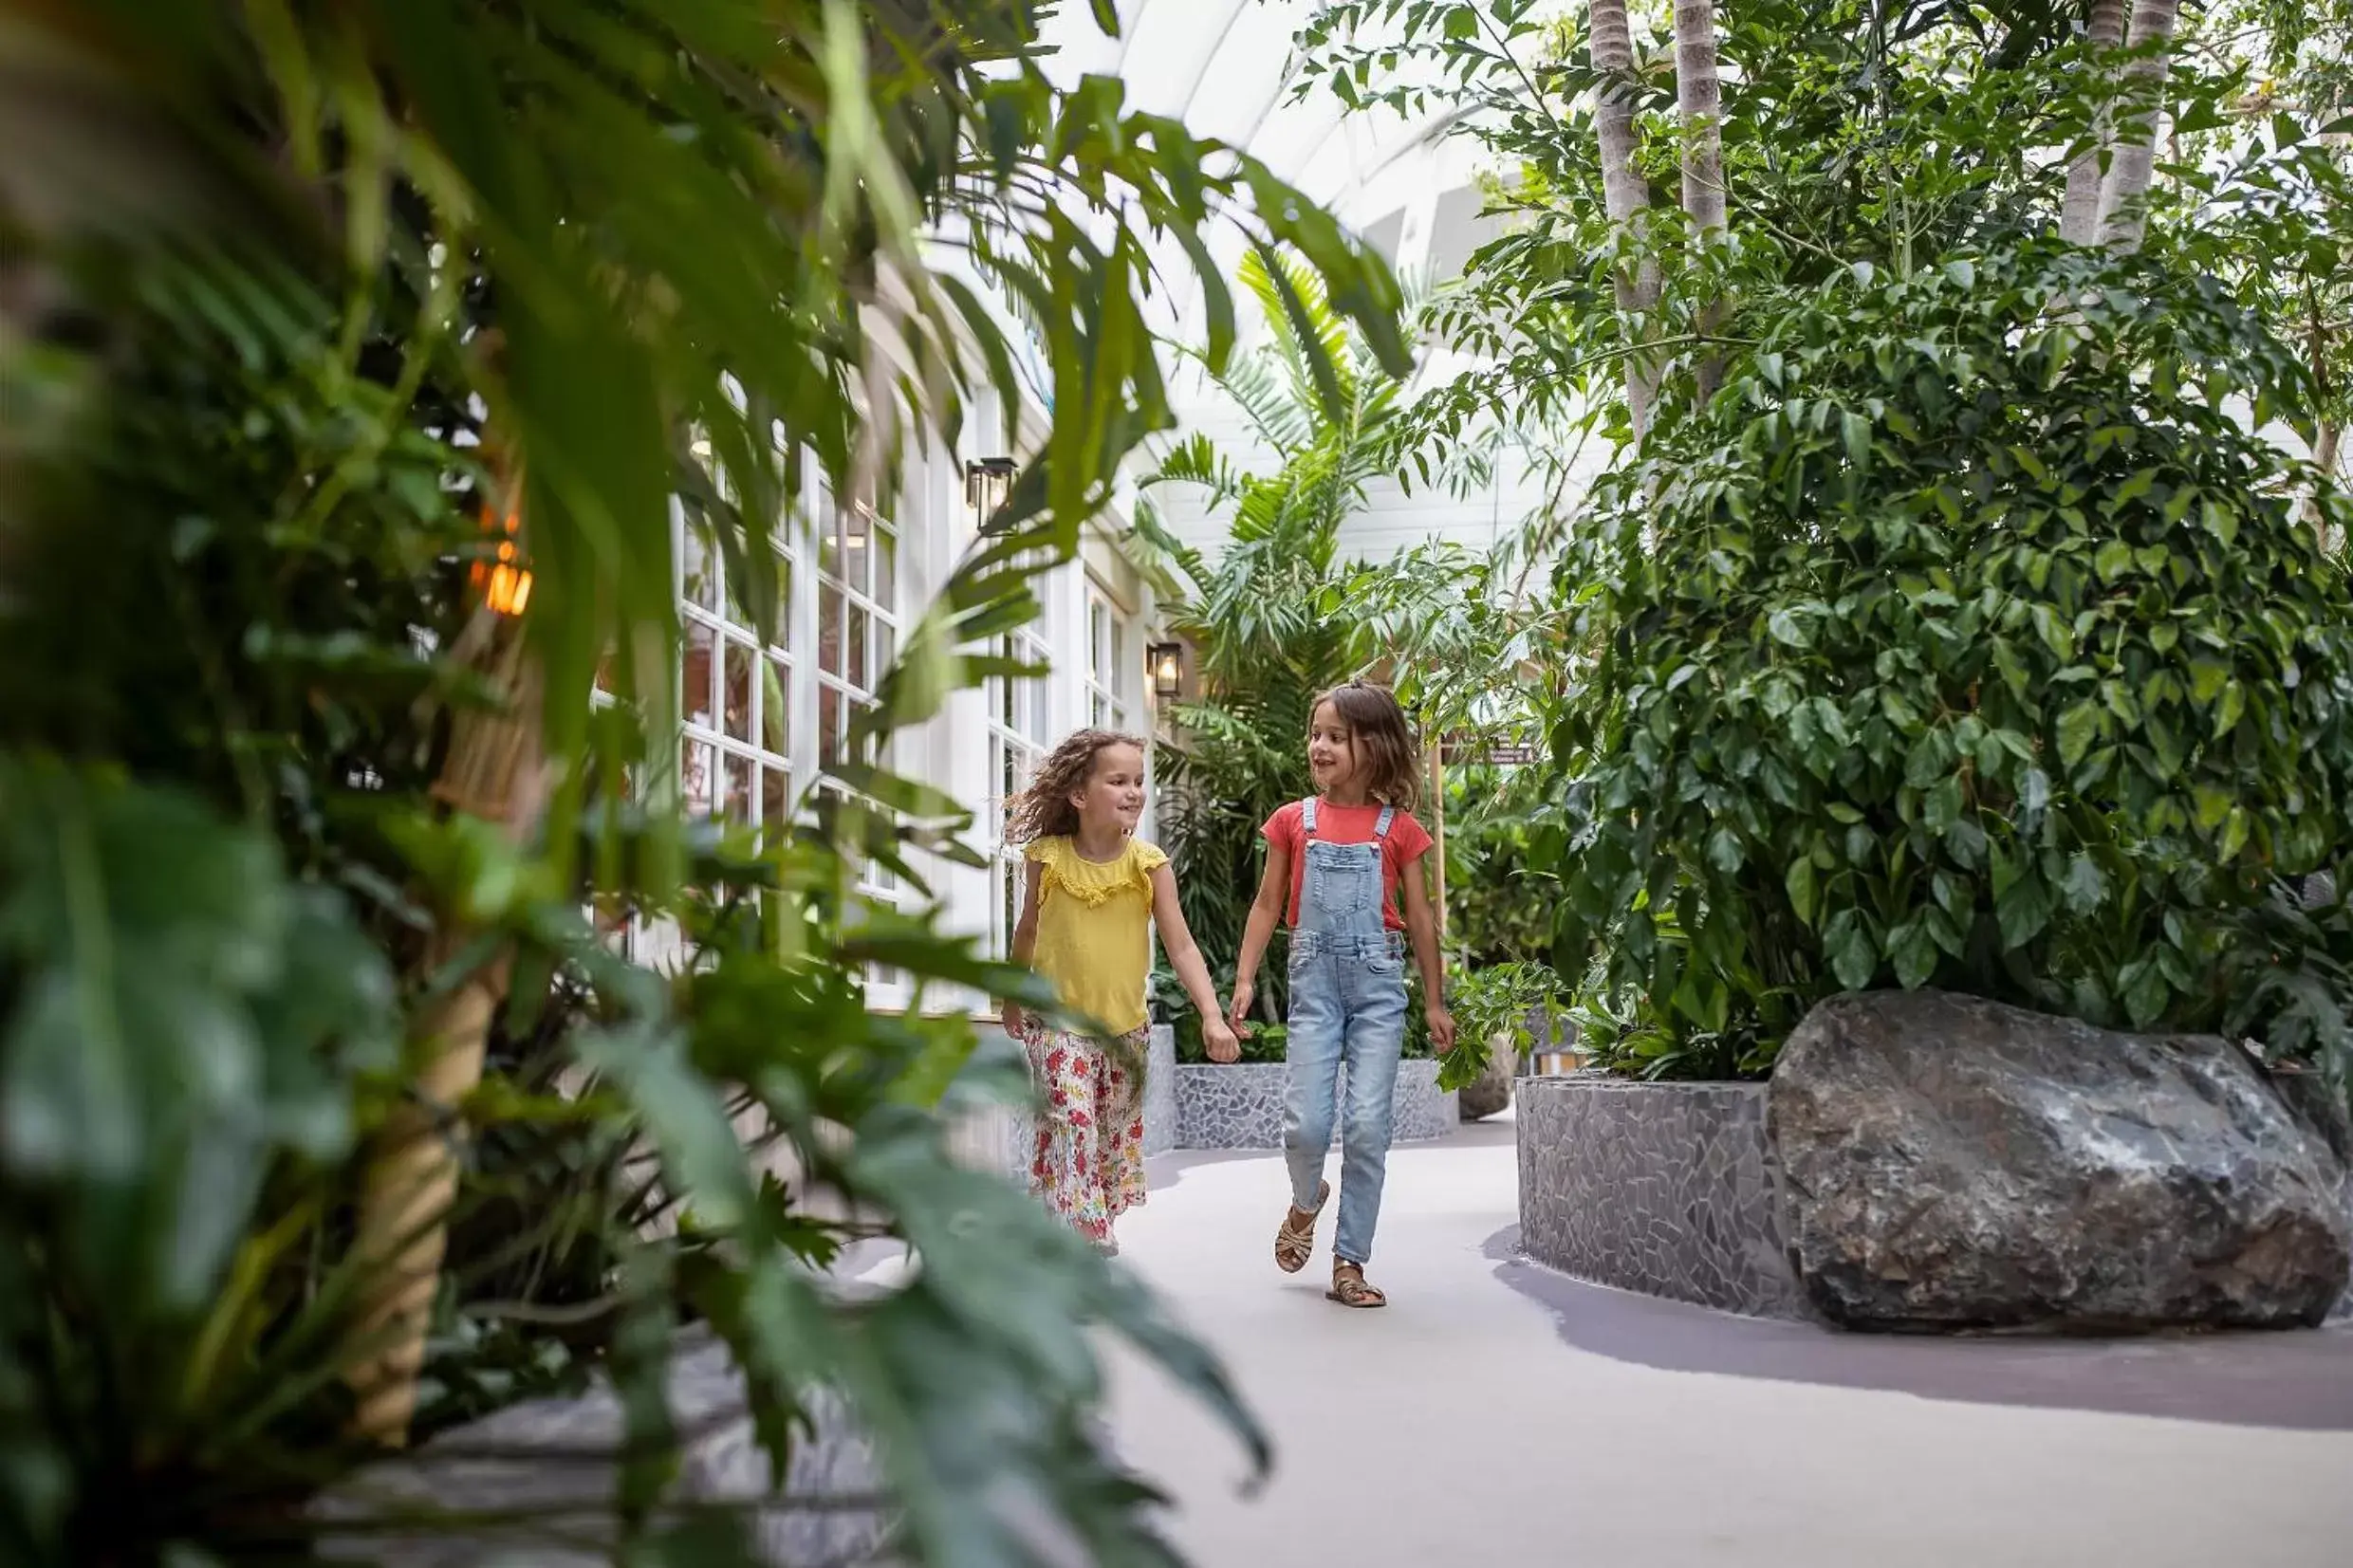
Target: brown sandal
x,y
1349,1289
1295,1244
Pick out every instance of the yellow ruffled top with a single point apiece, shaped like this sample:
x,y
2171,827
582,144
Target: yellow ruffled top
x,y
1095,929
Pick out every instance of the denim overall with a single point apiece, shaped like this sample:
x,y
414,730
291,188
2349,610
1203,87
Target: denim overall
x,y
1347,985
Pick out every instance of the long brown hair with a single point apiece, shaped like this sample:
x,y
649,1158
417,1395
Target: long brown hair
x,y
1383,740
1044,810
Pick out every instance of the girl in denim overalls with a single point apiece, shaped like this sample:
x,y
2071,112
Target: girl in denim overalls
x,y
1340,859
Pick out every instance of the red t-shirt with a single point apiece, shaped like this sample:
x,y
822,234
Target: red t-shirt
x,y
1406,844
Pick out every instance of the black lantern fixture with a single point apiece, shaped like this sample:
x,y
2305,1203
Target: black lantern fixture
x,y
1166,661
987,484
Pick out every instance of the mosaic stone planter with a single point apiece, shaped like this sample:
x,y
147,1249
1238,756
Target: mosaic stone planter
x,y
1241,1106
555,1456
1668,1188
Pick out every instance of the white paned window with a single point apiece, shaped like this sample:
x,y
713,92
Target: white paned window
x,y
856,632
1019,735
1113,652
858,628
736,689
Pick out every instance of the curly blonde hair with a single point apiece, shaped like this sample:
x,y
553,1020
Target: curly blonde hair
x,y
1044,809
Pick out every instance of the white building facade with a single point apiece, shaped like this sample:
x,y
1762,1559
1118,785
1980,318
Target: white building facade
x,y
764,712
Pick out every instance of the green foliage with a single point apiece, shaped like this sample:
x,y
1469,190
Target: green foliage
x,y
1499,895
1513,1007
1970,640
1884,667
1268,618
307,269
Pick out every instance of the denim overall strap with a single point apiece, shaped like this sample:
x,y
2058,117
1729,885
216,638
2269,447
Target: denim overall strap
x,y
1380,828
1340,888
1307,818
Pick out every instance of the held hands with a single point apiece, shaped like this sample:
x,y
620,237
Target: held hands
x,y
1013,1019
1442,1027
1222,1038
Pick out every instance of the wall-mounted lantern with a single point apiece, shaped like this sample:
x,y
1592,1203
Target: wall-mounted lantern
x,y
1166,661
505,584
987,484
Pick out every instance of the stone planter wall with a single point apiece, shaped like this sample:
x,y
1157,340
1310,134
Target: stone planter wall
x,y
1667,1189
1201,1107
2344,1303
556,1455
1240,1106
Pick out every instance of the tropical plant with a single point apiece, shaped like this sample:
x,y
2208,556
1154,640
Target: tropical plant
x,y
1882,163
1271,618
1510,1007
310,851
1970,641
1499,897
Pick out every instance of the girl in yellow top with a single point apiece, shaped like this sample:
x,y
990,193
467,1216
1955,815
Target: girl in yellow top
x,y
1094,892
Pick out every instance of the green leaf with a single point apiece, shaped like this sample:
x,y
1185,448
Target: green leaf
x,y
1805,893
2235,828
2145,993
1912,948
2230,708
2078,728
1724,851
2084,888
2035,792
1942,806
1854,957
1856,432
2021,914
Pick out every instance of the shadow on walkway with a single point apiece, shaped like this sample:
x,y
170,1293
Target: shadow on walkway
x,y
2297,1380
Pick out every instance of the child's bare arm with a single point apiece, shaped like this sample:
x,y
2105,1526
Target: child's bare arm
x,y
1184,956
1025,936
1422,929
1265,912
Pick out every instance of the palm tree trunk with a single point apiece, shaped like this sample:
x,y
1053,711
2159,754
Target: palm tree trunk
x,y
495,772
1699,97
1624,193
2123,200
2079,221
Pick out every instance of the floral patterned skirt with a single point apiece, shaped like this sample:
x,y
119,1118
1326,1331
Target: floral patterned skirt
x,y
1089,1161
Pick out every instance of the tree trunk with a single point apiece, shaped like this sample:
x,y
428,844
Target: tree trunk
x,y
1700,96
2325,458
2123,200
2079,223
495,771
1624,193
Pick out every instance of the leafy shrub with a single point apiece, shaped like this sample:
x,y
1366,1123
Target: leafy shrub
x,y
1499,899
1517,1005
1969,639
314,250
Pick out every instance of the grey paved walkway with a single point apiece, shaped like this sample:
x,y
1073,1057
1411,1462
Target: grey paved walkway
x,y
1498,1414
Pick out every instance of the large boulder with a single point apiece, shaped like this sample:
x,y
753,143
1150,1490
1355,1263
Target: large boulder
x,y
1951,1163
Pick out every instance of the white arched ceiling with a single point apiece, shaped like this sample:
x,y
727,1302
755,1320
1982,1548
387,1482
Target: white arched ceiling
x,y
1226,69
